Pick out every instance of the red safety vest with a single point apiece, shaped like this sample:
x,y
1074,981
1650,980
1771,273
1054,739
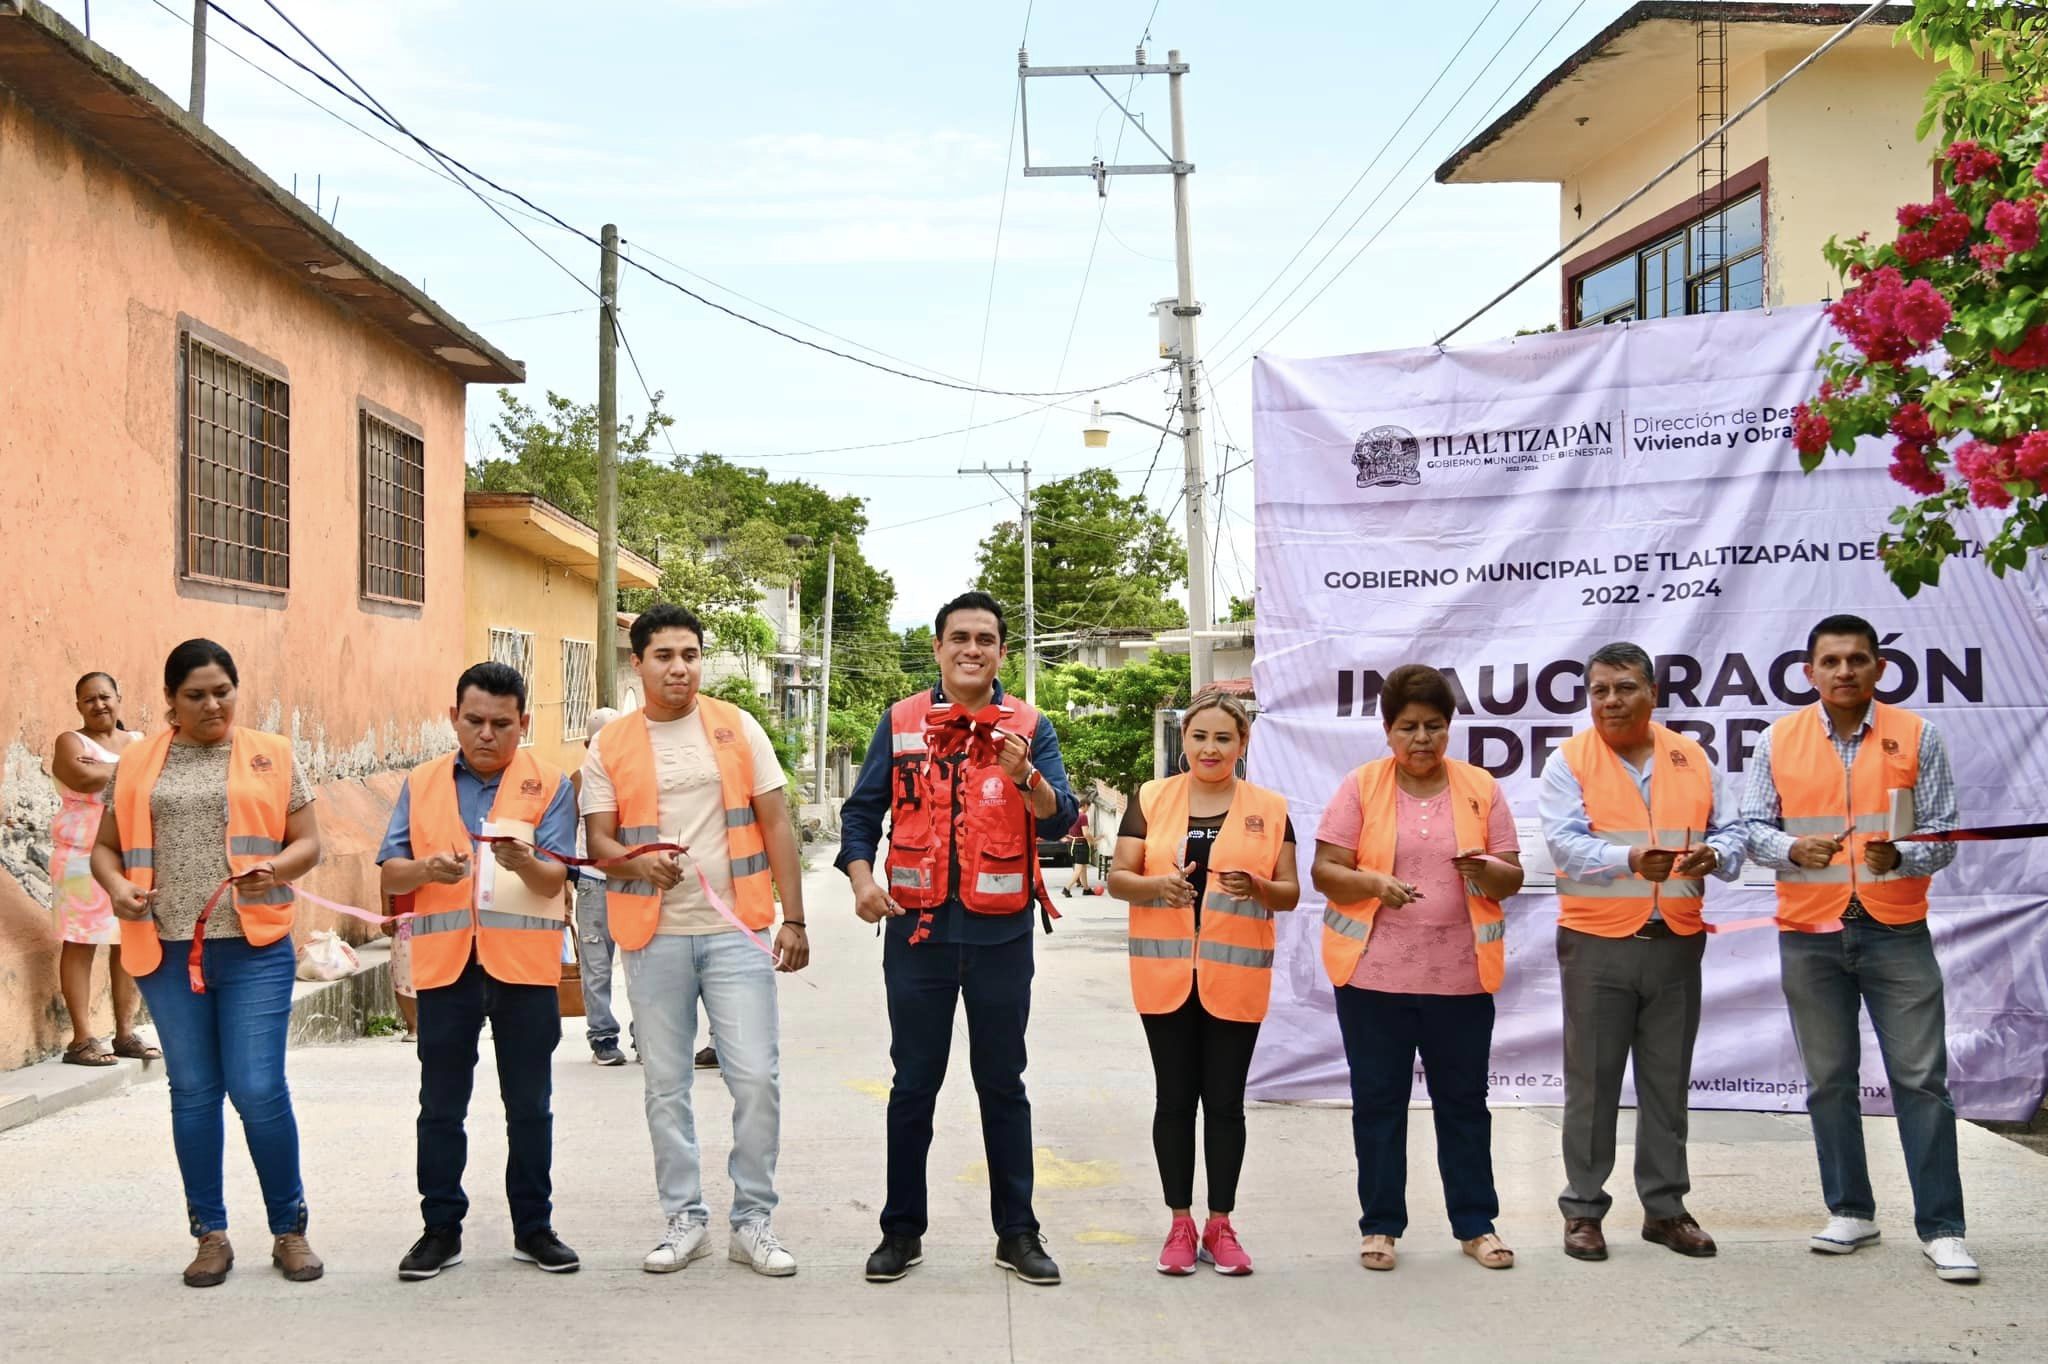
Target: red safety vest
x,y
958,826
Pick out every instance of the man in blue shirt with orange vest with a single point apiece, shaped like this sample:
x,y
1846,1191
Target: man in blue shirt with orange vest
x,y
473,961
967,795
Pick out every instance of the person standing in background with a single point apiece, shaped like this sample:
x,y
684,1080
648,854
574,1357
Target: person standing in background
x,y
82,766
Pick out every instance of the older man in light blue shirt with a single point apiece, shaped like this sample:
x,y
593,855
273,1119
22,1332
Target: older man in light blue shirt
x,y
1629,973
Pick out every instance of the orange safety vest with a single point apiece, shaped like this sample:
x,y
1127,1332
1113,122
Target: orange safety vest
x,y
259,797
957,828
1816,797
518,949
1681,798
1347,927
1234,942
627,752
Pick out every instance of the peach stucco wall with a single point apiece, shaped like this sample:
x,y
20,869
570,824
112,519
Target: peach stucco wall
x,y
96,271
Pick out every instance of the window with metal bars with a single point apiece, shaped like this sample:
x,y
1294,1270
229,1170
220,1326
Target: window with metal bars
x,y
514,648
394,503
234,470
1713,264
579,685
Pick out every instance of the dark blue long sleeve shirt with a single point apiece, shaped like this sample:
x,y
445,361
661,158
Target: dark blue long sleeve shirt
x,y
861,819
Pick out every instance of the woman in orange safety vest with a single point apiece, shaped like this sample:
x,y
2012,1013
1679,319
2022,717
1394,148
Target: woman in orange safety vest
x,y
1414,854
191,806
1205,861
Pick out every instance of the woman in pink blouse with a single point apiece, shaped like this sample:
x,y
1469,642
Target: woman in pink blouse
x,y
1417,988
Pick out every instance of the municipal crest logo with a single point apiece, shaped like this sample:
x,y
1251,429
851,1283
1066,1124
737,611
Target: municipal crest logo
x,y
992,789
723,736
1678,759
1474,803
1255,824
530,787
259,763
1387,457
1891,746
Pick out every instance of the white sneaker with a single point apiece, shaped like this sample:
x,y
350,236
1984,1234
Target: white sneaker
x,y
1844,1236
1950,1259
754,1245
683,1242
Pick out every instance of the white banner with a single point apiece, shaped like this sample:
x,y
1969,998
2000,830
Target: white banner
x,y
1501,511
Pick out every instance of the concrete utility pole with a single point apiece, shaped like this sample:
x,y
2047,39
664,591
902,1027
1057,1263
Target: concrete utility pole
x,y
825,677
197,104
1201,655
1201,648
1030,613
608,472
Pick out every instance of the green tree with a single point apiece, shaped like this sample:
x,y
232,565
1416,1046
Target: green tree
x,y
719,531
1241,610
1104,716
1947,323
1099,558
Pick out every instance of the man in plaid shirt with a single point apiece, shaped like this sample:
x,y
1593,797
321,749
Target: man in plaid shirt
x,y
1825,787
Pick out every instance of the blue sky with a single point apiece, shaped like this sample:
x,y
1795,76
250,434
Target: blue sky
x,y
845,163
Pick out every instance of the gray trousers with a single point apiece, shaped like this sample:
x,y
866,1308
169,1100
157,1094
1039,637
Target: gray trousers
x,y
1626,996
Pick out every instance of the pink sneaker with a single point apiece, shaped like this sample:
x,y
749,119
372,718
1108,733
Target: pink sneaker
x,y
1178,1254
1220,1248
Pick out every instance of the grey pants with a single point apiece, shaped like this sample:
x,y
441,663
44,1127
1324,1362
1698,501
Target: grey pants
x,y
1626,996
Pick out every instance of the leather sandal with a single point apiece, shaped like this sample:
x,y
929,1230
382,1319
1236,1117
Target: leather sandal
x,y
88,1053
1376,1252
135,1049
1488,1250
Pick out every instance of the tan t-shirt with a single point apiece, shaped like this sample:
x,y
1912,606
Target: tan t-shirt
x,y
690,810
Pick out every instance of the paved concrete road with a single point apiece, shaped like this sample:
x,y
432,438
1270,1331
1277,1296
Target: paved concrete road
x,y
95,1231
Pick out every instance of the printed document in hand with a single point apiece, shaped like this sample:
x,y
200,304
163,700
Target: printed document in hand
x,y
503,891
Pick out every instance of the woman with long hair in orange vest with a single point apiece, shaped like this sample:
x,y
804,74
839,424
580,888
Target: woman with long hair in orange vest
x,y
1205,861
190,807
1414,854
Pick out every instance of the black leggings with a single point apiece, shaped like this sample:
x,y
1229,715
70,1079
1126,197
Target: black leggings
x,y
1197,1057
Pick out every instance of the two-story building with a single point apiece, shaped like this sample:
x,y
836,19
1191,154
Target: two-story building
x,y
220,418
1742,224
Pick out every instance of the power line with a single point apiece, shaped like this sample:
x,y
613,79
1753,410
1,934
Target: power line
x,y
1372,203
936,516
1345,197
384,116
1843,32
988,304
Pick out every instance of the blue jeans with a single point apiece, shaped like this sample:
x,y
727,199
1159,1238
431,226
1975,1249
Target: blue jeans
x,y
924,984
1892,972
1383,1034
526,1026
736,981
594,956
229,1043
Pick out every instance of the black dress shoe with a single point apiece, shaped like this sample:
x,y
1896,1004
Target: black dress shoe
x,y
544,1250
440,1248
894,1258
1024,1255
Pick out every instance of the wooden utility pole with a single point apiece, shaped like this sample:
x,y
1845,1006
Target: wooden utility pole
x,y
197,104
608,472
825,678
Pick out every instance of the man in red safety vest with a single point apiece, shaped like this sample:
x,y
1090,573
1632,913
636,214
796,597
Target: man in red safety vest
x,y
970,779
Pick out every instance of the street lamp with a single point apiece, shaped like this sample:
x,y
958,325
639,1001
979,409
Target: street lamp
x,y
1095,435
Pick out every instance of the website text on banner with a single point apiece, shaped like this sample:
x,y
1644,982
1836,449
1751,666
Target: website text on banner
x,y
1503,510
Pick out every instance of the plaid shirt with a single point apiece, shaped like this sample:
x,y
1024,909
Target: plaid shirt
x,y
1934,801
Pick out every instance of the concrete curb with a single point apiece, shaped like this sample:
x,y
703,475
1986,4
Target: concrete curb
x,y
322,1011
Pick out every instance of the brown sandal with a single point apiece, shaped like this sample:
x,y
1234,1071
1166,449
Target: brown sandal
x,y
135,1049
88,1053
1377,1252
1489,1251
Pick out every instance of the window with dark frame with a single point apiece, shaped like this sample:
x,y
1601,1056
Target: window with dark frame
x,y
1713,264
235,471
394,541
